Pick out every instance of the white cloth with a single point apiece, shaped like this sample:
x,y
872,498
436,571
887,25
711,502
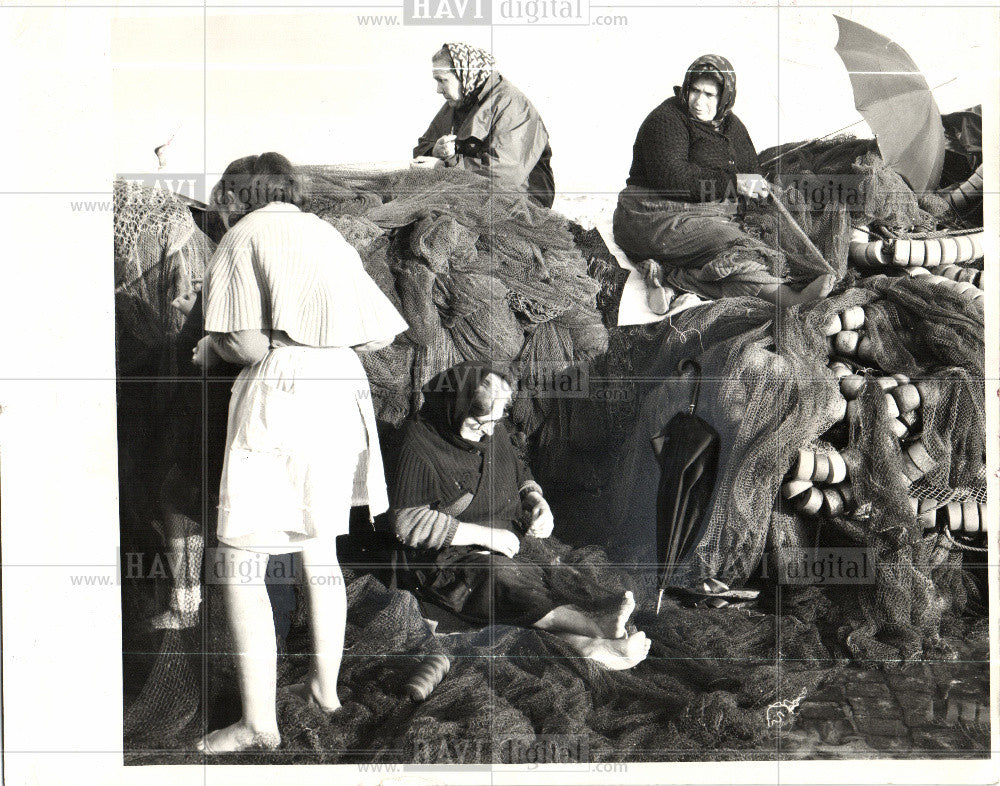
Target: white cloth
x,y
301,448
282,269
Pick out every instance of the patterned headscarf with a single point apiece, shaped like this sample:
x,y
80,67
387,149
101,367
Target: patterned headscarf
x,y
720,69
450,395
472,65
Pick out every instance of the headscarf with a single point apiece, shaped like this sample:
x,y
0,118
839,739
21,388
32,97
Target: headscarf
x,y
449,396
720,69
473,66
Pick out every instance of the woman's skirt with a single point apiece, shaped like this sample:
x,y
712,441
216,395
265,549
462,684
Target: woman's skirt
x,y
301,448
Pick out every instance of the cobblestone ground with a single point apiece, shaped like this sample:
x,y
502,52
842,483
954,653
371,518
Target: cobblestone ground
x,y
928,710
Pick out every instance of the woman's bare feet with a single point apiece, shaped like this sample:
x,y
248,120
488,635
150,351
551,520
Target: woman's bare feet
x,y
612,623
307,692
619,654
784,296
238,737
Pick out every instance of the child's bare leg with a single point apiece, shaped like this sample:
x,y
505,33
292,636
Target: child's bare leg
x,y
603,625
252,626
328,617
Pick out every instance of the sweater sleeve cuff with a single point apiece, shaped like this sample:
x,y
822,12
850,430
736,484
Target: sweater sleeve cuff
x,y
528,487
449,535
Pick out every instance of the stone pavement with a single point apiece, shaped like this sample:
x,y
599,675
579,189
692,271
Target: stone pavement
x,y
928,710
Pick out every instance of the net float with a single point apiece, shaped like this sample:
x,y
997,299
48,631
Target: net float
x,y
821,468
852,318
792,488
850,385
910,418
886,383
859,235
901,379
845,342
811,502
918,455
901,253
949,250
838,468
928,520
832,326
932,253
911,470
914,505
426,677
833,503
966,251
853,411
913,272
890,405
865,350
806,464
982,515
840,369
926,504
917,253
898,428
847,493
977,246
969,274
953,515
907,397
970,516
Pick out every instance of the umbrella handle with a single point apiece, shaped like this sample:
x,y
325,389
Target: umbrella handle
x,y
692,364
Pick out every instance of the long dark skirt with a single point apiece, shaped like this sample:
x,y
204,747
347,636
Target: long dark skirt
x,y
477,586
701,246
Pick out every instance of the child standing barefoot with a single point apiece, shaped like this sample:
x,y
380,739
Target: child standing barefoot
x,y
287,298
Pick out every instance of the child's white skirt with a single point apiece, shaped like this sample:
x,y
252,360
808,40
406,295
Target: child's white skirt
x,y
301,448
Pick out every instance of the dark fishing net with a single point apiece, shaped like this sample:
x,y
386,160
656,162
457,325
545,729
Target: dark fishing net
x,y
702,694
477,274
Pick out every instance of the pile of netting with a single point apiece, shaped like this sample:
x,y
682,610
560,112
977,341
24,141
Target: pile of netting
x,y
477,273
851,171
702,694
159,255
767,390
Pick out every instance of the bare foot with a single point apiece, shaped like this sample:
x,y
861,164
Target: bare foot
x,y
308,694
612,624
619,654
172,619
238,737
784,296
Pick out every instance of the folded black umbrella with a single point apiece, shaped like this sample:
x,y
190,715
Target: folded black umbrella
x,y
688,452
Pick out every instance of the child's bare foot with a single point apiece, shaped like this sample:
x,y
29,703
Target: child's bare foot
x,y
784,296
238,737
619,654
612,623
171,619
307,692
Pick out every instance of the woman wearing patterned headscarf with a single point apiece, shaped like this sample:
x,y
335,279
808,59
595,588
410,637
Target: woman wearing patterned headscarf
x,y
487,125
692,162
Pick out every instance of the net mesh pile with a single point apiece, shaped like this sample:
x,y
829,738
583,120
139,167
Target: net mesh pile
x,y
492,276
477,274
159,254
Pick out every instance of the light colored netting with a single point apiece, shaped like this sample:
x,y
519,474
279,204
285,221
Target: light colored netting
x,y
159,255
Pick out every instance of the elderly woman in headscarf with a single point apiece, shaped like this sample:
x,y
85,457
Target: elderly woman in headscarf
x,y
462,504
487,125
692,163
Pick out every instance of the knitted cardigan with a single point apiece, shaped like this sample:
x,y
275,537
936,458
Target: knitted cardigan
x,y
686,160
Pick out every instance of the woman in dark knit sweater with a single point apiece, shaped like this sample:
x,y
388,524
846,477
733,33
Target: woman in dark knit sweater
x,y
692,161
462,501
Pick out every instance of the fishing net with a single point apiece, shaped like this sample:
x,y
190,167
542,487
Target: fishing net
x,y
159,255
477,274
702,694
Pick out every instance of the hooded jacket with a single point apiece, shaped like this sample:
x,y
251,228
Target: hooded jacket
x,y
688,160
500,135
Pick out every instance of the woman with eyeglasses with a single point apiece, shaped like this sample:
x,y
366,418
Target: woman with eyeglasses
x,y
462,503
